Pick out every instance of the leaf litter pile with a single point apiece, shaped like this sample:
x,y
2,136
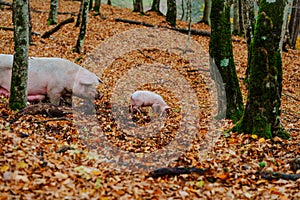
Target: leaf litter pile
x,y
62,153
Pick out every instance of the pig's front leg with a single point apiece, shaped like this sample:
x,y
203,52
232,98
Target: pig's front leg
x,y
54,95
156,107
135,107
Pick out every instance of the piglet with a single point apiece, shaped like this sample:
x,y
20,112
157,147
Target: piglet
x,y
51,77
142,98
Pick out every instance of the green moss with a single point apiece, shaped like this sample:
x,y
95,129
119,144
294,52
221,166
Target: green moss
x,y
17,105
282,133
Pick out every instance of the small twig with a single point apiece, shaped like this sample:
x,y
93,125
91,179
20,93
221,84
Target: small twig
x,y
6,28
288,95
141,52
53,119
133,22
276,175
56,28
175,171
294,129
64,149
47,109
296,116
5,3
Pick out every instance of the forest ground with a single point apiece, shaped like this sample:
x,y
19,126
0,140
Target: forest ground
x,y
43,157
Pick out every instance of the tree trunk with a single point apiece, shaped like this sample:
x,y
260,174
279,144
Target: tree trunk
x,y
18,88
207,10
236,22
220,48
262,114
29,25
138,6
171,12
285,32
91,5
241,17
248,25
155,6
52,19
80,13
97,6
109,2
82,32
294,24
182,9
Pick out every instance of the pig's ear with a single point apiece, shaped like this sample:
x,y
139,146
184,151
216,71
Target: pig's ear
x,y
86,82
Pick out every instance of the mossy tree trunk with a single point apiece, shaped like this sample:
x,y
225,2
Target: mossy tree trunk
x,y
52,19
18,88
262,114
91,5
171,12
29,25
241,15
294,24
83,26
248,24
236,18
155,7
80,13
138,6
220,49
207,10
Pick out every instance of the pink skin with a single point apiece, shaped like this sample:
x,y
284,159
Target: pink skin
x,y
144,98
51,77
30,97
4,92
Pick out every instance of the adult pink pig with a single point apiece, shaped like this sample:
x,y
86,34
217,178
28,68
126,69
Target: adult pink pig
x,y
51,77
146,98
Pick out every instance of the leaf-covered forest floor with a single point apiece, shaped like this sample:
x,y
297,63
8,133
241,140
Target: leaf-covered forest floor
x,y
45,157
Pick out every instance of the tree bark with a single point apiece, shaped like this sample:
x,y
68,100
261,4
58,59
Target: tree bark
x,y
220,48
82,32
294,24
80,13
138,6
262,114
97,6
241,17
207,10
171,12
236,22
29,25
52,19
155,7
248,26
18,88
91,5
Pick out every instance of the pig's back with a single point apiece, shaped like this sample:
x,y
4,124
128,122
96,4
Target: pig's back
x,y
52,64
6,61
